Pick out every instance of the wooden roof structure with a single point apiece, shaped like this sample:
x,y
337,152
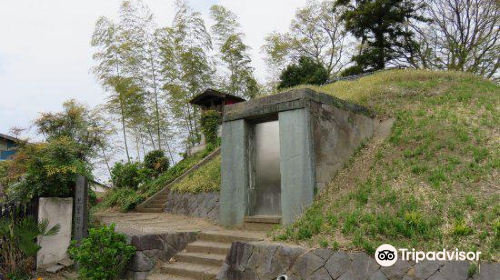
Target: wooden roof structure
x,y
10,138
211,96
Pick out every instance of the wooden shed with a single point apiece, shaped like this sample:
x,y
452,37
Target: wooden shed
x,y
212,99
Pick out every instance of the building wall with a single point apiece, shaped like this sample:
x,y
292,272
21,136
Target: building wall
x,y
336,133
7,149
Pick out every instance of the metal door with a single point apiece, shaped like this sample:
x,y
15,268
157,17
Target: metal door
x,y
265,169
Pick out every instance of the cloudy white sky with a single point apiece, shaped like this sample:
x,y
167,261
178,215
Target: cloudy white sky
x,y
45,54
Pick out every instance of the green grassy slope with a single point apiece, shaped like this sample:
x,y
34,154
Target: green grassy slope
x,y
433,183
126,199
206,179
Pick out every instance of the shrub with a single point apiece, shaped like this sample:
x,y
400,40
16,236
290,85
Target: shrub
x,y
126,175
19,247
125,198
306,72
102,255
353,70
210,121
156,163
46,169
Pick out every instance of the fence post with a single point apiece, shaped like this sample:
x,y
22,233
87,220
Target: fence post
x,y
80,220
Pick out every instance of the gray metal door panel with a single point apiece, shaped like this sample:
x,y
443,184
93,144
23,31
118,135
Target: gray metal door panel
x,y
266,169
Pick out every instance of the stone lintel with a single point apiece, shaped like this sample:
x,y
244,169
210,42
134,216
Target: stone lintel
x,y
291,100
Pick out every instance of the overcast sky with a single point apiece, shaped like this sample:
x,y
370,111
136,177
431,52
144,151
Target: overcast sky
x,y
45,55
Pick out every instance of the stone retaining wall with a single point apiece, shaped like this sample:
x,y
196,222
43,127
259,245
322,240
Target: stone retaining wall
x,y
200,205
266,261
153,247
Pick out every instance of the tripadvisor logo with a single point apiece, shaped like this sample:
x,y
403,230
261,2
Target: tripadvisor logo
x,y
387,255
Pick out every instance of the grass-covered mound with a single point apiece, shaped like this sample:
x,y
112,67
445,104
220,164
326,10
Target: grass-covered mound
x,y
206,179
126,199
433,183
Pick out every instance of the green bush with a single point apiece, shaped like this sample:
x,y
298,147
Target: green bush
x,y
156,163
126,175
353,70
126,199
210,121
102,255
306,72
18,248
47,169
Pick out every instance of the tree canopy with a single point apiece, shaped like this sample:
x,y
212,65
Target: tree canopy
x,y
306,72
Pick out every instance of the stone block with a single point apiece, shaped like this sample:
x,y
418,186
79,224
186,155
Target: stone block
x,y
286,256
397,270
425,269
140,263
323,253
307,264
55,247
437,276
455,270
362,265
238,255
320,274
338,264
488,271
379,276
150,241
348,275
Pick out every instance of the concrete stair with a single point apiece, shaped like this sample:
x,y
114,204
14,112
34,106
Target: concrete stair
x,y
155,204
202,259
261,222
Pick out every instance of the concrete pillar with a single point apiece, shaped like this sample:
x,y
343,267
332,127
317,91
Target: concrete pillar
x,y
234,169
297,163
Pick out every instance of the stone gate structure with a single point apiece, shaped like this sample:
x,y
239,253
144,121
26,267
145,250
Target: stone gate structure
x,y
279,150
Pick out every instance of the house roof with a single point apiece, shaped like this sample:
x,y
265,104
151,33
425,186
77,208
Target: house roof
x,y
10,138
211,93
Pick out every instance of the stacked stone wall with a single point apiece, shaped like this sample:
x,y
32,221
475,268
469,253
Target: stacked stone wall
x,y
261,260
151,248
201,205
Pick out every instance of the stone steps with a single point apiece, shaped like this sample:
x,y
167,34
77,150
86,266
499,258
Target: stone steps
x,y
195,271
261,222
228,236
208,247
162,276
156,204
161,196
203,258
150,210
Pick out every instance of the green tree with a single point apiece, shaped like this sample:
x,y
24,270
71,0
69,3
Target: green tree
x,y
155,163
307,71
141,35
381,27
46,169
316,32
187,67
88,128
233,52
109,71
